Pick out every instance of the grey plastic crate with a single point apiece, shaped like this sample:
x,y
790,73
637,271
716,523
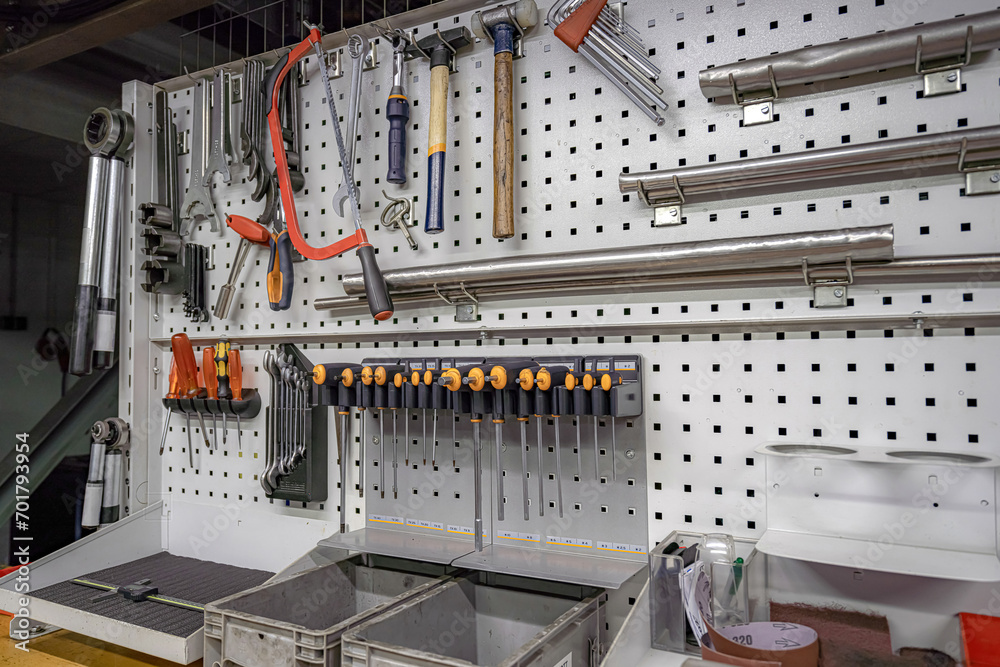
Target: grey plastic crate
x,y
507,622
299,621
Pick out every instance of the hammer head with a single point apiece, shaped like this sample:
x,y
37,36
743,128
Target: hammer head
x,y
523,12
432,45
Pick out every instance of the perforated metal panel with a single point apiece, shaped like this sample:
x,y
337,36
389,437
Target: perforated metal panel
x,y
726,370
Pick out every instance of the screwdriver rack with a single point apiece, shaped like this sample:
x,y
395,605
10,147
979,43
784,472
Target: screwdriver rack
x,y
725,369
428,511
247,408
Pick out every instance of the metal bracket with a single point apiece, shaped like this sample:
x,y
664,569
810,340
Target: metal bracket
x,y
760,109
334,63
184,142
235,89
35,629
371,58
829,292
943,79
464,312
980,179
666,212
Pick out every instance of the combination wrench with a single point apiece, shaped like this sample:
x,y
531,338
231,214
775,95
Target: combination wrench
x,y
221,149
357,46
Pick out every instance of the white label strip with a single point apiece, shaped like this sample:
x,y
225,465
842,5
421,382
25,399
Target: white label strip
x,y
520,537
569,542
625,365
565,662
422,523
381,518
461,530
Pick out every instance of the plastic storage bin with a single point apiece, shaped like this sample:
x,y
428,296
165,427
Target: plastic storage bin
x,y
299,621
488,620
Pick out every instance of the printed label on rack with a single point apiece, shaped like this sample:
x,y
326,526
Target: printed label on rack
x,y
461,530
622,548
416,365
381,518
603,365
570,542
520,537
432,365
421,523
588,365
625,365
565,662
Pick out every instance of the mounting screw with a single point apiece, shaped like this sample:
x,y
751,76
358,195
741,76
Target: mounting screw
x,y
673,213
630,453
839,292
765,109
374,439
995,178
952,77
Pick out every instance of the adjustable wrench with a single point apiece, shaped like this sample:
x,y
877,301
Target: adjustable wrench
x,y
198,205
357,46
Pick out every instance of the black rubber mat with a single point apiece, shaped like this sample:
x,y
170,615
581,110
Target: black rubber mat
x,y
176,576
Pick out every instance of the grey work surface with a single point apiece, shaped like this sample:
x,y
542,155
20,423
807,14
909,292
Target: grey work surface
x,y
175,576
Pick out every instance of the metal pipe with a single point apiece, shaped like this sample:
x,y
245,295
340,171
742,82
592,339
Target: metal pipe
x,y
778,250
107,304
984,268
913,157
85,309
896,48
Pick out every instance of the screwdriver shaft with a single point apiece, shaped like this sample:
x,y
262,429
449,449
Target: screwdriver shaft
x,y
434,437
187,417
381,453
239,433
166,423
395,460
342,442
499,464
559,493
477,464
204,431
425,435
541,473
597,453
579,450
361,458
614,466
524,465
406,437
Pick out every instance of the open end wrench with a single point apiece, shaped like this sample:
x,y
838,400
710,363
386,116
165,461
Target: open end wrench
x,y
357,46
270,364
218,156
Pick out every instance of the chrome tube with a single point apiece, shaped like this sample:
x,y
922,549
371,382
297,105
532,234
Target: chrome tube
x,y
913,157
755,252
107,298
833,60
94,216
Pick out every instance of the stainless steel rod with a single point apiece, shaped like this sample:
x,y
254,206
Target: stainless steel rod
x,y
913,157
635,263
915,270
833,60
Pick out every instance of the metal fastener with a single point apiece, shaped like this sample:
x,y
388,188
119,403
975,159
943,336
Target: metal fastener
x,y
765,109
630,453
952,77
995,178
838,292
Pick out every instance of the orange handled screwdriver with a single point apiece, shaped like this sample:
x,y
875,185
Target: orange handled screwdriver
x,y
211,384
236,384
187,376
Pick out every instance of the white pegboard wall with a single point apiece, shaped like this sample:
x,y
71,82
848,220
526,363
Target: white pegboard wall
x,y
574,134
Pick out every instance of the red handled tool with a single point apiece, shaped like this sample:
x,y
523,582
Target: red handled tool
x,y
379,301
280,274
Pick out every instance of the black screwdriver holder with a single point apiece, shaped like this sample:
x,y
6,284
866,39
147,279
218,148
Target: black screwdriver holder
x,y
308,481
622,398
247,408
